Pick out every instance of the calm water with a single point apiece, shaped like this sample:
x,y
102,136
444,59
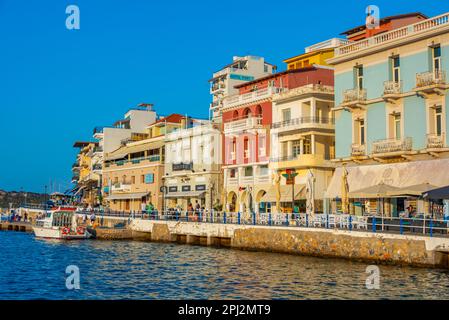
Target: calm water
x,y
35,269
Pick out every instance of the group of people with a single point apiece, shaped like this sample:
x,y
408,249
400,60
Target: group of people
x,y
17,217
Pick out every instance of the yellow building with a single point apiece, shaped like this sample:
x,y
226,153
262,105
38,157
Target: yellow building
x,y
132,174
315,54
84,175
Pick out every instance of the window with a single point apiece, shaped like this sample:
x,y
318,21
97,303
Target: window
x,y
115,180
265,68
124,179
359,77
307,146
133,180
235,115
296,145
395,64
436,58
232,173
246,148
263,171
360,130
248,171
306,63
247,113
259,111
397,126
438,120
286,115
142,179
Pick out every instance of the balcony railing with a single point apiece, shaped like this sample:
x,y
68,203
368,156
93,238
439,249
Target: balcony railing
x,y
250,97
435,141
430,78
416,28
392,87
233,181
358,149
353,95
243,123
303,120
182,166
392,145
247,180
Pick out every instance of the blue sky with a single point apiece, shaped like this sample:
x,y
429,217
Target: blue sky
x,y
56,84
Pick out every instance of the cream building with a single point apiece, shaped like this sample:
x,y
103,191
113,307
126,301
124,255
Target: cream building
x,y
193,165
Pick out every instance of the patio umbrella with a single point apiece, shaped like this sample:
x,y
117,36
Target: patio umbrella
x,y
344,191
277,184
379,191
310,189
414,190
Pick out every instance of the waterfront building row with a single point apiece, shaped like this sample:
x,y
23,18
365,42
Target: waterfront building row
x,y
300,140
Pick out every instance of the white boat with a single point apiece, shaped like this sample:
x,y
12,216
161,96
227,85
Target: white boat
x,y
60,224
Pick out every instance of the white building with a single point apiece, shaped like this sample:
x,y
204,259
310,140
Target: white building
x,y
241,70
193,165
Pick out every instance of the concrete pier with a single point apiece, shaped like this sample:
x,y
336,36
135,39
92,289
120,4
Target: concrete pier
x,y
16,226
365,246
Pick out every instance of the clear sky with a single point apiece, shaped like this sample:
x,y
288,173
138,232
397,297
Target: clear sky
x,y
56,84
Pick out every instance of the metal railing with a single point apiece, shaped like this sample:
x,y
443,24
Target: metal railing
x,y
392,145
430,78
358,149
422,225
435,141
400,33
392,87
303,120
352,95
244,123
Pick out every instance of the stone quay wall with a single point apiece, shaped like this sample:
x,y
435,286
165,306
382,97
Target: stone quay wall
x,y
379,248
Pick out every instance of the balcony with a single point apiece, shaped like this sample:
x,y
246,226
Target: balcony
x,y
305,122
392,89
391,37
392,145
182,166
263,179
354,97
242,124
246,180
250,97
435,141
217,87
301,161
98,150
358,150
234,181
97,167
431,82
121,187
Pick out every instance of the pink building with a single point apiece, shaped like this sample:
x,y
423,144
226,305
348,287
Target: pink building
x,y
247,119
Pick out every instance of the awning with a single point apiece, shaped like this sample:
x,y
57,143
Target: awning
x,y
192,194
124,151
399,175
415,190
127,196
437,194
286,193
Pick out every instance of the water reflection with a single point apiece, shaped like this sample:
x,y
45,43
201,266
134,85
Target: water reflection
x,y
35,269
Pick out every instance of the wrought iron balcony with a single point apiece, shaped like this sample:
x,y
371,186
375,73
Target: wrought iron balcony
x,y
392,145
358,149
435,141
354,95
430,78
392,87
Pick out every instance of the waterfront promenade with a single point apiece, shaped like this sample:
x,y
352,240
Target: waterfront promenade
x,y
374,239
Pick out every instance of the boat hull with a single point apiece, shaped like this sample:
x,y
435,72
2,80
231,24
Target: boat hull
x,y
50,233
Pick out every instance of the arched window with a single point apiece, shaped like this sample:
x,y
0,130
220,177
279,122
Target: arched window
x,y
235,115
259,111
247,113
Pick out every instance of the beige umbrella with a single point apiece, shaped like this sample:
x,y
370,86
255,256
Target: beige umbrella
x,y
277,184
344,191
